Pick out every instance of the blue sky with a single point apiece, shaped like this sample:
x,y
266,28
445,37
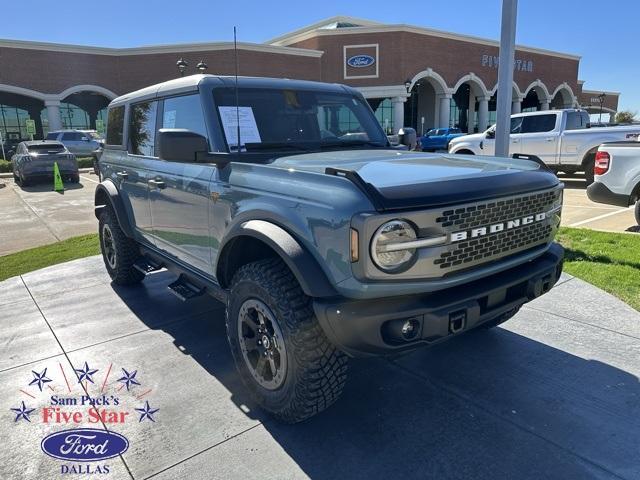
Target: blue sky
x,y
604,34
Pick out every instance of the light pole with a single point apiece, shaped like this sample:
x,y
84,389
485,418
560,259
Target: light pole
x,y
182,66
505,76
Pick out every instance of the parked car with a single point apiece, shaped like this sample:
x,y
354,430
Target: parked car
x,y
562,139
617,175
82,143
323,242
439,138
34,161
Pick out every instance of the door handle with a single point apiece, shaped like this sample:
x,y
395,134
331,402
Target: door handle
x,y
122,175
515,140
157,183
549,139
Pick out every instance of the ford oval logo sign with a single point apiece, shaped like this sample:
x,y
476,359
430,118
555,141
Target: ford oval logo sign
x,y
84,445
360,61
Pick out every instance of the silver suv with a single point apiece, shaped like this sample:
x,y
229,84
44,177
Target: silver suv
x,y
284,200
82,143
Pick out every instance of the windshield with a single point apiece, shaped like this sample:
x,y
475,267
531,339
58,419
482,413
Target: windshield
x,y
431,132
273,119
45,148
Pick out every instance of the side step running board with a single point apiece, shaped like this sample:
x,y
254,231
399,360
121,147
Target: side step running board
x,y
185,290
146,266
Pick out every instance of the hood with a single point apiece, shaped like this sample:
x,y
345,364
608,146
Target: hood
x,y
398,179
474,137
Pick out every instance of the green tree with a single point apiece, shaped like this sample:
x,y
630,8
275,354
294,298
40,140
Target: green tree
x,y
626,116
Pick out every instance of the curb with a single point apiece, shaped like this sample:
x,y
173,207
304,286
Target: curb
x,y
81,170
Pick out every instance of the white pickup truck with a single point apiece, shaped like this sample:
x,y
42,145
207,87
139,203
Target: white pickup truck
x,y
562,139
617,175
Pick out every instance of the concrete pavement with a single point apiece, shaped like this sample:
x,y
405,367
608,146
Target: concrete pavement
x,y
554,393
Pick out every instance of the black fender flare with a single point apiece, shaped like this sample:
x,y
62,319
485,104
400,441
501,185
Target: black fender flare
x,y
107,194
303,265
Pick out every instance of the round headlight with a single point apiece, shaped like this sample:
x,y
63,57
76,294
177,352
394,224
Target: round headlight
x,y
386,247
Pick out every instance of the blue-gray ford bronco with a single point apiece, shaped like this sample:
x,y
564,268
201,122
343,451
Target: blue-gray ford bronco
x,y
285,200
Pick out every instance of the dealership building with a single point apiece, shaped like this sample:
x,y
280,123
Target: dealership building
x,y
411,76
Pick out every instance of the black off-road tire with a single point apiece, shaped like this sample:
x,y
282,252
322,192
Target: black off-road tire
x,y
316,370
494,322
637,212
126,251
589,164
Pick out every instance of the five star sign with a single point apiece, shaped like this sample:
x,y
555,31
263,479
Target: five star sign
x,y
146,412
85,373
39,378
23,412
129,379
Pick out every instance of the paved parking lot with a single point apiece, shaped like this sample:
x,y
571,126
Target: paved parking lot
x,y
553,394
579,211
36,215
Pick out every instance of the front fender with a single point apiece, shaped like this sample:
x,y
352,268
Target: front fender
x,y
107,195
302,264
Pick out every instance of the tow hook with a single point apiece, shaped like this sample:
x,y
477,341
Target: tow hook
x,y
457,321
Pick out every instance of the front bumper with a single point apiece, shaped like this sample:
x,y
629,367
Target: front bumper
x,y
600,193
373,326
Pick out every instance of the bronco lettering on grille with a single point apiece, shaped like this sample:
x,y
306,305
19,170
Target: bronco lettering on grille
x,y
496,227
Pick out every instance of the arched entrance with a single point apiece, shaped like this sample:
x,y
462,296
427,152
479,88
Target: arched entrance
x,y
562,97
15,109
536,97
80,110
470,104
428,104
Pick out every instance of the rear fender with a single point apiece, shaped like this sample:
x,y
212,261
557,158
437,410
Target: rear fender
x,y
107,195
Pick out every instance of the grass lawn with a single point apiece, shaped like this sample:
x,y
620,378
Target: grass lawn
x,y
40,257
610,261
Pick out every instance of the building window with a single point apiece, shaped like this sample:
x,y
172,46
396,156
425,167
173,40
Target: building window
x,y
74,117
12,123
384,114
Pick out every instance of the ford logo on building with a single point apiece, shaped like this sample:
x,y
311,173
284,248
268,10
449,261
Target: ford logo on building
x,y
84,445
359,61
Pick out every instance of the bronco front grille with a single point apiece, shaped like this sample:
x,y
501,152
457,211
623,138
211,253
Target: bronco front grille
x,y
498,211
473,251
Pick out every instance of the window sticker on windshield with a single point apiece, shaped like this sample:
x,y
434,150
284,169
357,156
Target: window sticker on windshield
x,y
248,128
169,120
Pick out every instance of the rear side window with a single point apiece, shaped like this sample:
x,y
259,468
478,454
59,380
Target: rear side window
x,y
115,125
576,121
538,123
142,128
71,137
184,112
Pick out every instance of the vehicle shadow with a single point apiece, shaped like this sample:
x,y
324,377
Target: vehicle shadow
x,y
488,404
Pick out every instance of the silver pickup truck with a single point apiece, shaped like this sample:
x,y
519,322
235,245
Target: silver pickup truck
x,y
284,200
561,139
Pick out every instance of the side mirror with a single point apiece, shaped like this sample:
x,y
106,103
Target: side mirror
x,y
408,137
490,133
180,144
